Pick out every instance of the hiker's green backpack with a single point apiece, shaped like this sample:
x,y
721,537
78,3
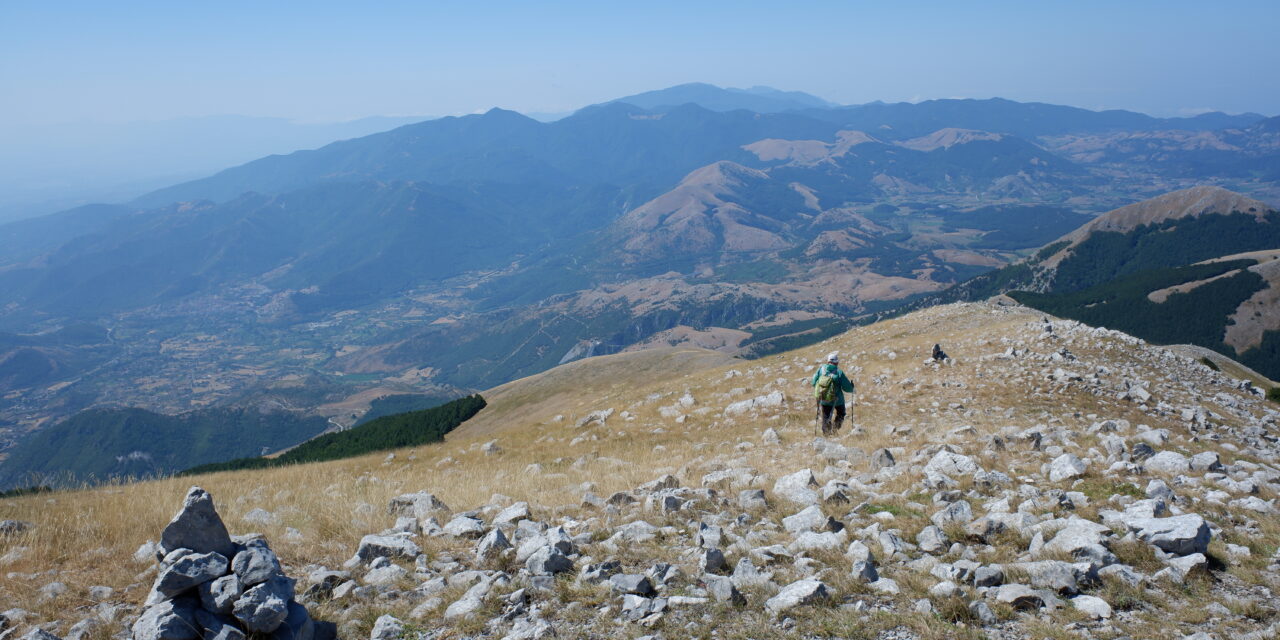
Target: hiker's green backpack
x,y
828,386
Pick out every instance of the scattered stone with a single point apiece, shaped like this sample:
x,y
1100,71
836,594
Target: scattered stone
x,y
548,560
393,546
632,583
801,592
1093,606
724,590
1180,535
14,527
797,487
1066,467
387,627
1019,596
752,499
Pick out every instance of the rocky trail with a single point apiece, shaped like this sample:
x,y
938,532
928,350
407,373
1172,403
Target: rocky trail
x,y
1053,481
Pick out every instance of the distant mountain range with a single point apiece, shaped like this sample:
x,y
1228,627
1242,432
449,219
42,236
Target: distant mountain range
x,y
49,168
708,96
454,254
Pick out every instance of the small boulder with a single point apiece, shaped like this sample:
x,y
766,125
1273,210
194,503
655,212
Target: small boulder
x,y
1092,606
1066,467
801,592
798,487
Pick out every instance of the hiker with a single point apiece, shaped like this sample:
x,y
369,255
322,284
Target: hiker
x,y
938,354
829,386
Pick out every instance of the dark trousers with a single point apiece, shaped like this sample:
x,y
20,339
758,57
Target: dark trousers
x,y
830,426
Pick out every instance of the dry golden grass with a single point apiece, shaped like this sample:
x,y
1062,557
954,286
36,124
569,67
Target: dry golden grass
x,y
88,537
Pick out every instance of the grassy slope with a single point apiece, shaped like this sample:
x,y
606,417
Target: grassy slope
x,y
324,501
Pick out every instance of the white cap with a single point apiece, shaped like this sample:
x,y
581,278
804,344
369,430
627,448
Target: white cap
x,y
833,357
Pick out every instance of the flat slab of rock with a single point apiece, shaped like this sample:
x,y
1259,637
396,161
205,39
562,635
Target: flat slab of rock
x,y
1019,596
376,546
186,573
801,592
952,465
1180,535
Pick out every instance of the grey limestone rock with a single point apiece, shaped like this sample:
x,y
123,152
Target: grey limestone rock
x,y
465,527
1066,467
1019,596
709,535
713,561
218,596
1206,461
169,620
197,527
1180,535
797,487
512,514
1051,574
264,607
931,539
387,627
750,499
1169,462
255,564
420,505
881,459
988,576
379,546
800,592
865,571
548,560
958,512
217,626
946,464
14,527
187,572
1092,606
298,625
39,634
491,545
632,583
723,589
810,519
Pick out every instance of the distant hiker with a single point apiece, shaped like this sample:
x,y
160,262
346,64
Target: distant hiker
x,y
938,354
829,386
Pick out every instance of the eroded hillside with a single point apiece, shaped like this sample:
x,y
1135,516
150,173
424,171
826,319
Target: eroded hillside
x,y
1054,480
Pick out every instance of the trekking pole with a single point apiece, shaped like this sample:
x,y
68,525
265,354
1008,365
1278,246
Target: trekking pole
x,y
817,416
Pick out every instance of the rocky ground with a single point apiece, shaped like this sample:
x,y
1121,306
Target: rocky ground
x,y
1054,481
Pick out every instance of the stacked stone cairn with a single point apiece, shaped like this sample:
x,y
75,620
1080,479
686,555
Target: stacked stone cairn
x,y
214,586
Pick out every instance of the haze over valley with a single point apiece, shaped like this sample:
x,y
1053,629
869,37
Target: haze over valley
x,y
455,254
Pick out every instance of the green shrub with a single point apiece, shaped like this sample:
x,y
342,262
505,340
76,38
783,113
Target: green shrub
x,y
1210,363
388,432
1273,394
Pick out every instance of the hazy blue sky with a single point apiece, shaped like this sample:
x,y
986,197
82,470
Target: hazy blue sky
x,y
126,60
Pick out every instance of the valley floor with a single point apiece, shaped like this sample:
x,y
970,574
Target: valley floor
x,y
1053,481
